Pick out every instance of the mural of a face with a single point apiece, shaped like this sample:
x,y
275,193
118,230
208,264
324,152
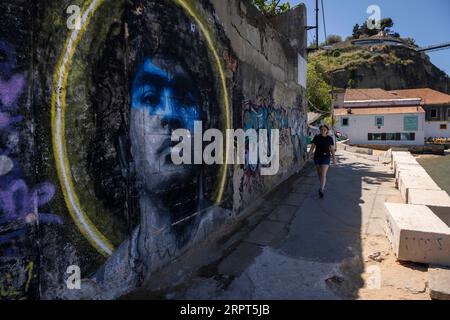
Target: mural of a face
x,y
141,93
163,99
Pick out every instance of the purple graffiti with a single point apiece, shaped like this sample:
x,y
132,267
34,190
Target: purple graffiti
x,y
19,204
8,61
10,90
6,120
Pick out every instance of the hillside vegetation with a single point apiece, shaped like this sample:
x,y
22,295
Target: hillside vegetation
x,y
390,67
377,66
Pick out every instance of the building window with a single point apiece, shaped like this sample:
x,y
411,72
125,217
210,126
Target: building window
x,y
377,137
379,121
443,127
448,114
433,114
407,136
411,123
345,122
391,137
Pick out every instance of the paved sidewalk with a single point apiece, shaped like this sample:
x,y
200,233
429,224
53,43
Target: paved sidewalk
x,y
298,246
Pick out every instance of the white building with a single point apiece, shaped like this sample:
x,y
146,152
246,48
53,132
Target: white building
x,y
376,116
437,108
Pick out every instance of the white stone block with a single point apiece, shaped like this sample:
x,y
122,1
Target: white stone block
x,y
408,181
434,198
398,155
413,167
399,162
417,234
439,282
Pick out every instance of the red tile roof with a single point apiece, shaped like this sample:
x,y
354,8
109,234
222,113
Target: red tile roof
x,y
380,111
370,94
428,96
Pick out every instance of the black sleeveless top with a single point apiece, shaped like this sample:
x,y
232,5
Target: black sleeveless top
x,y
323,145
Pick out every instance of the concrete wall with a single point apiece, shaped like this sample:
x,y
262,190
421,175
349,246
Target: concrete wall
x,y
86,124
433,129
361,125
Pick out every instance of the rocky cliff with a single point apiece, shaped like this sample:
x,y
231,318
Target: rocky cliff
x,y
381,66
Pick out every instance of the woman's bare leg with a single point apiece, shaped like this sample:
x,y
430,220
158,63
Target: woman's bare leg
x,y
323,177
319,173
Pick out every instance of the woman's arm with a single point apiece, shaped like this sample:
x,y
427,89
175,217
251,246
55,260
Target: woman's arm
x,y
311,151
333,154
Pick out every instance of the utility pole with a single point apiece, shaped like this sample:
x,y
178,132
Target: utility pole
x,y
315,27
317,24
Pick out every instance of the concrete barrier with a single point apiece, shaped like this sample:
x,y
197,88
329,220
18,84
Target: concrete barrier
x,y
420,181
437,201
399,154
439,282
417,234
432,198
403,160
401,157
413,168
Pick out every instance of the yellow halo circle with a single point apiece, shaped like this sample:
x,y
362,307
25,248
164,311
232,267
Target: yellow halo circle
x,y
82,221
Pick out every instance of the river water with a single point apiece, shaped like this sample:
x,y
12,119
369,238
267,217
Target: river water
x,y
439,169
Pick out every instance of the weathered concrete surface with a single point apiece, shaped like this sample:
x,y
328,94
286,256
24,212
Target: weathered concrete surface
x,y
403,161
412,167
401,155
429,198
437,201
420,181
439,282
397,155
417,234
331,251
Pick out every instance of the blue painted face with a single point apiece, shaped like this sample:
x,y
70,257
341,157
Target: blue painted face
x,y
163,99
164,89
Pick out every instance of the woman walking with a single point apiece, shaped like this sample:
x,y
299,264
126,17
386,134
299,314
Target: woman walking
x,y
323,149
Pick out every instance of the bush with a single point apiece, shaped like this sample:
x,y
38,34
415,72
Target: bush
x,y
271,8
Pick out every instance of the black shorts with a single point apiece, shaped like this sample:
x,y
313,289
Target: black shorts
x,y
322,161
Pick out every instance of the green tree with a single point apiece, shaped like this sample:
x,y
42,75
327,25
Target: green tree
x,y
318,90
411,42
271,8
356,31
332,39
386,25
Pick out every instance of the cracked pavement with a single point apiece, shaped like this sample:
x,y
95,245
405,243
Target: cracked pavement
x,y
296,246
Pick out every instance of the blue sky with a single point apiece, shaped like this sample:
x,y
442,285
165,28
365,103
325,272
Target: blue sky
x,y
428,22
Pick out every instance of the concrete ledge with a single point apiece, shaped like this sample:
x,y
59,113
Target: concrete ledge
x,y
437,201
439,283
358,150
399,155
403,161
432,198
407,181
411,167
417,234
